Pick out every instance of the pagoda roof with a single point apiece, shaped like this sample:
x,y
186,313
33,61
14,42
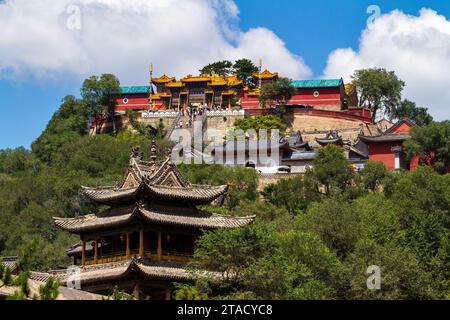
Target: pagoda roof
x,y
392,137
158,214
163,79
218,81
266,74
145,268
190,78
193,194
176,84
326,141
154,180
10,262
332,137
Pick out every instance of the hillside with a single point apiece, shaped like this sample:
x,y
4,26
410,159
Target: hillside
x,y
314,238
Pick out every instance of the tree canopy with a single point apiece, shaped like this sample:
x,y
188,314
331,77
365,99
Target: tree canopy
x,y
276,93
378,89
221,68
432,144
99,97
314,236
408,109
265,122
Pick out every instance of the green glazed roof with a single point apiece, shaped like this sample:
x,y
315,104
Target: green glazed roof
x,y
327,83
135,90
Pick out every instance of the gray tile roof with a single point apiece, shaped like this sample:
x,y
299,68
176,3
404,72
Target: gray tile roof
x,y
386,138
163,215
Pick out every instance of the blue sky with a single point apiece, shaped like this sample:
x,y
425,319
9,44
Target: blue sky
x,y
309,29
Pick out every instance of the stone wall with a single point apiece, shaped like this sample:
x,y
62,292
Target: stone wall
x,y
303,122
266,179
223,121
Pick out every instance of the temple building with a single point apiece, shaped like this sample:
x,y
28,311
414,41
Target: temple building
x,y
388,146
225,92
145,239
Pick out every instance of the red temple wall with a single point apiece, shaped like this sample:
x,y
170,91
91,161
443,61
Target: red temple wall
x,y
327,97
382,152
135,101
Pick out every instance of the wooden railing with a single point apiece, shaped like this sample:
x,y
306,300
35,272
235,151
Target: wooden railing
x,y
152,254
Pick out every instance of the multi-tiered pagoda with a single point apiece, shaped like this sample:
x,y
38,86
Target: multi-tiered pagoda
x,y
144,240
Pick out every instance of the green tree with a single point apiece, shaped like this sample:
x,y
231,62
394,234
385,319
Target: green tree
x,y
401,275
378,89
432,144
99,96
7,276
189,293
67,124
277,93
294,194
18,160
221,68
335,221
265,122
231,251
375,175
49,290
243,181
332,169
408,109
244,69
118,295
422,202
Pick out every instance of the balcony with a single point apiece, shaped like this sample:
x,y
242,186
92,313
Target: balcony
x,y
170,256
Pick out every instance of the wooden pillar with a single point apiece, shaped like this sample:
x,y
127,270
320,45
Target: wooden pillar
x,y
95,251
141,243
128,253
159,251
168,294
83,253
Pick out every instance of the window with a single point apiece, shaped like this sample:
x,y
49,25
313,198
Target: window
x,y
316,94
125,100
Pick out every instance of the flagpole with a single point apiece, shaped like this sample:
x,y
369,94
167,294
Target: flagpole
x,y
260,72
150,99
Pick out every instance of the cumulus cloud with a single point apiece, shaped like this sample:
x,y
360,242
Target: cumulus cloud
x,y
417,48
40,38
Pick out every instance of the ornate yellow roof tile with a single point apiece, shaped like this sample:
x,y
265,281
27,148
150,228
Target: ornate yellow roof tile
x,y
163,79
266,74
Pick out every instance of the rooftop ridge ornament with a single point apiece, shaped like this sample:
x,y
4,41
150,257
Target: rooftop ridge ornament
x,y
136,153
153,151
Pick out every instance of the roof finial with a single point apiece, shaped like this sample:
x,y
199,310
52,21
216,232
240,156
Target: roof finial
x,y
153,151
136,153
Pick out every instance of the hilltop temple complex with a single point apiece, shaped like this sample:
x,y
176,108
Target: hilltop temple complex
x,y
145,239
322,105
320,112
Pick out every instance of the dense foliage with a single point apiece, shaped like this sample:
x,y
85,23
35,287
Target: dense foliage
x,y
242,68
277,93
265,122
432,144
312,243
408,109
314,237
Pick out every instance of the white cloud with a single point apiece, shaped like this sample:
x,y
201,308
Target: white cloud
x,y
123,37
417,48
